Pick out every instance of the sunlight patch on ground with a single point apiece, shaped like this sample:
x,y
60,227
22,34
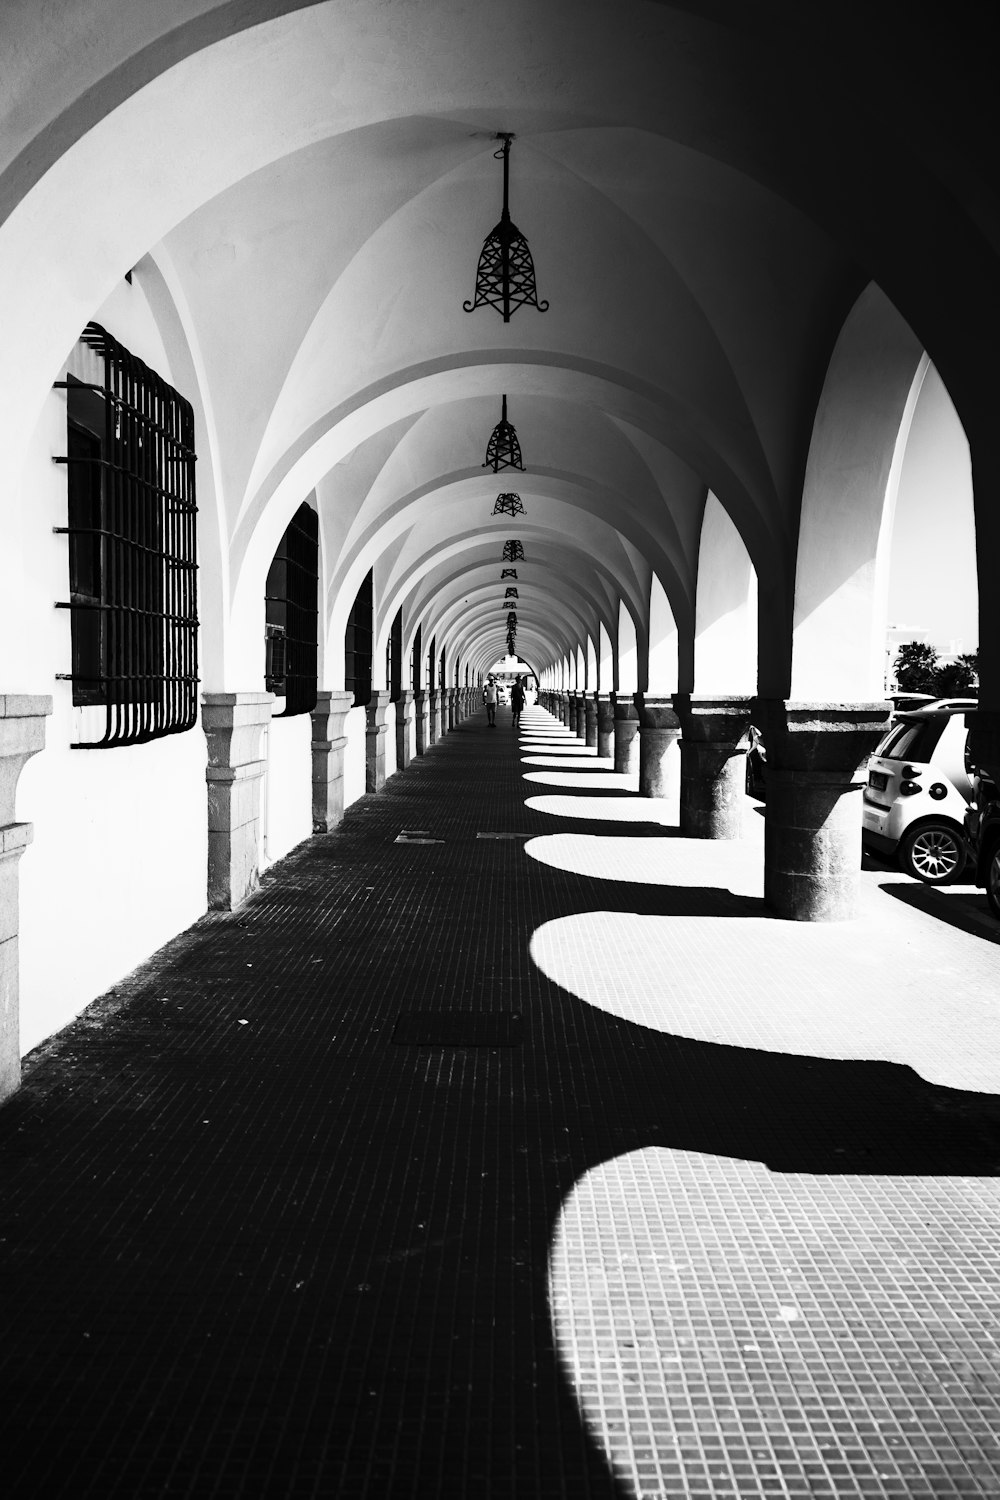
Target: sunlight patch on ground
x,y
678,1344
571,761
615,809
736,866
591,780
756,981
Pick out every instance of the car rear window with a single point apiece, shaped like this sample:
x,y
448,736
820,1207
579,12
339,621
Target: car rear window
x,y
914,741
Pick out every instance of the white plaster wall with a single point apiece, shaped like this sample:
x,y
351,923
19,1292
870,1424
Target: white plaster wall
x,y
390,740
662,642
117,868
289,785
354,756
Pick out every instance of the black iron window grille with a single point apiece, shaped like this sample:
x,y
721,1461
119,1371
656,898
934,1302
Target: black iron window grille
x,y
430,666
415,661
358,646
505,276
512,552
132,529
292,612
503,451
394,658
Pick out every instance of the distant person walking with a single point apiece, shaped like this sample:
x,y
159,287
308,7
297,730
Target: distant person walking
x,y
491,703
516,702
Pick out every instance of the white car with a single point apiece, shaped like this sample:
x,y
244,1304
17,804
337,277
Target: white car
x,y
919,786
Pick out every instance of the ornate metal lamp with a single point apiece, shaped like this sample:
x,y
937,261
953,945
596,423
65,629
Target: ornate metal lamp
x,y
513,552
503,451
508,573
505,276
512,620
510,593
508,504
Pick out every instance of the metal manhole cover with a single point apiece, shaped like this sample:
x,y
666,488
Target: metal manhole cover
x,y
458,1028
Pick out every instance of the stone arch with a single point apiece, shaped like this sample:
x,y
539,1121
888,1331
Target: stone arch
x,y
627,656
852,475
663,642
725,640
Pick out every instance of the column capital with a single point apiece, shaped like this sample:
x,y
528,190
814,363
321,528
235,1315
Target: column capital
x,y
623,707
233,725
713,720
375,711
22,735
834,738
656,712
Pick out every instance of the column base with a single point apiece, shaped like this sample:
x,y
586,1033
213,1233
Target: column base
x,y
328,745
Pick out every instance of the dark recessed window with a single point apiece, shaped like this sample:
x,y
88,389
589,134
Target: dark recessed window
x,y
415,661
394,659
358,646
131,524
291,614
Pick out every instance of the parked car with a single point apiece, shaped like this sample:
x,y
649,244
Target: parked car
x,y
904,701
982,830
919,788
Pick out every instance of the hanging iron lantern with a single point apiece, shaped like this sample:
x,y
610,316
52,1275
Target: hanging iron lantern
x,y
508,573
513,552
508,505
510,593
505,276
503,451
512,620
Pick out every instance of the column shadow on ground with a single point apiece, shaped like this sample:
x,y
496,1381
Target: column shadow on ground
x,y
292,1257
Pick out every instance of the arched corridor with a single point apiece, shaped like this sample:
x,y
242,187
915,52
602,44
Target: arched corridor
x,y
503,1141
355,354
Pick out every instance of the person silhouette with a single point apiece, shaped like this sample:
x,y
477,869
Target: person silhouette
x,y
516,702
491,703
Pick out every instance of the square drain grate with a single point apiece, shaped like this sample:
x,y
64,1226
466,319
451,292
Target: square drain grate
x,y
458,1028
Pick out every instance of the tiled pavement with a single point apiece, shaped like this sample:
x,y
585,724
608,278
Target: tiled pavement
x,y
718,1215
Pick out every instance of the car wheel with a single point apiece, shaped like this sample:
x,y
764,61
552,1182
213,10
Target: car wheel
x,y
993,881
932,852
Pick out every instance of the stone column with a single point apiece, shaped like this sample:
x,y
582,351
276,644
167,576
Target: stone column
x,y
659,731
328,745
22,735
434,719
626,721
421,709
713,764
375,732
605,726
579,715
404,719
590,721
233,725
816,754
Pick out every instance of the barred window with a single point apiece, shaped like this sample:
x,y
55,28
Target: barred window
x,y
292,612
394,659
358,646
132,547
415,651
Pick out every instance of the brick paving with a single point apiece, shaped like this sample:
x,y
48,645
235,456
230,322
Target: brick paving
x,y
677,1200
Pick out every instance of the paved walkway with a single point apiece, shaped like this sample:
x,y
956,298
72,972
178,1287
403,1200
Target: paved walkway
x,y
502,1146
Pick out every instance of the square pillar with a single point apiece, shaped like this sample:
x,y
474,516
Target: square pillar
x,y
328,745
421,711
22,735
375,731
404,720
233,725
435,715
